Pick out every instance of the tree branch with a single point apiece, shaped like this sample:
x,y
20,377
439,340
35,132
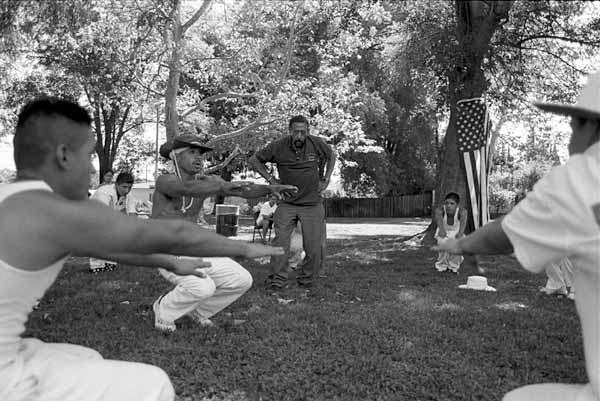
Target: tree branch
x,y
214,98
257,123
554,37
196,16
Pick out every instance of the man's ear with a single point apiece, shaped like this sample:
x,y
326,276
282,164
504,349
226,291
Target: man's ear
x,y
62,155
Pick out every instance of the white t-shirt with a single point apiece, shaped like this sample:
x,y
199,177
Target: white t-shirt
x,y
267,210
560,218
107,194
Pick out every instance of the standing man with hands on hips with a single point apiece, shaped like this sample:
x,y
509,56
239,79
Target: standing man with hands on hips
x,y
298,156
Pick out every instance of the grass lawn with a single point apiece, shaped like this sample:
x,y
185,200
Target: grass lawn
x,y
383,325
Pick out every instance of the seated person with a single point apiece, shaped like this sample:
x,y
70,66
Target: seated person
x,y
451,221
265,216
116,196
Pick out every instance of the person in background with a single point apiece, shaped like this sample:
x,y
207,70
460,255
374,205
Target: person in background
x,y
107,178
115,196
560,279
451,221
265,215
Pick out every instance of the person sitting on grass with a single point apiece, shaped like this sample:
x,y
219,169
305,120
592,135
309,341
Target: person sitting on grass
x,y
265,215
451,221
559,218
116,196
45,216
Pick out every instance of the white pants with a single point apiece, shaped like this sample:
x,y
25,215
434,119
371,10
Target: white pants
x,y
204,297
552,392
560,274
447,260
66,372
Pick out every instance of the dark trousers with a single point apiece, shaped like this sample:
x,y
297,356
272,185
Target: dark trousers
x,y
284,221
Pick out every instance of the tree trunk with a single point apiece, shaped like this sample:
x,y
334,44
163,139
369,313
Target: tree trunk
x,y
476,23
171,116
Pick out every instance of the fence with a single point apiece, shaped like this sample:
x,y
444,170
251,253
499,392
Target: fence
x,y
394,206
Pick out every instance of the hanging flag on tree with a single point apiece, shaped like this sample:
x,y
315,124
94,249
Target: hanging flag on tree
x,y
473,127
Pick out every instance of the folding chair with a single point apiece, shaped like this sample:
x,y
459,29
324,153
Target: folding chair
x,y
258,228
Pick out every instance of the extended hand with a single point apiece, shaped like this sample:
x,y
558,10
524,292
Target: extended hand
x,y
449,245
184,266
260,250
281,191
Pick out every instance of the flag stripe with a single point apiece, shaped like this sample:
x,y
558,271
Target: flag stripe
x,y
471,188
473,127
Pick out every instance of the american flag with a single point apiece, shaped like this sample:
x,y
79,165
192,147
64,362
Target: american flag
x,y
473,126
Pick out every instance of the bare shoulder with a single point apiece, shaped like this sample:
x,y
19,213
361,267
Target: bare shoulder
x,y
166,179
463,213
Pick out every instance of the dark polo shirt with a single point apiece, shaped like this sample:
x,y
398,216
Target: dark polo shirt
x,y
299,167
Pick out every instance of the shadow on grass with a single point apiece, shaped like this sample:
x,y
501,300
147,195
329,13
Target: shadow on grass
x,y
381,325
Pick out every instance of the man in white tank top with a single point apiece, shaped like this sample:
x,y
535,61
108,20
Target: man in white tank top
x,y
559,218
451,221
45,216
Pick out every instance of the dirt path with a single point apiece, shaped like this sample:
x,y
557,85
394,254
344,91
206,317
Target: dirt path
x,y
341,228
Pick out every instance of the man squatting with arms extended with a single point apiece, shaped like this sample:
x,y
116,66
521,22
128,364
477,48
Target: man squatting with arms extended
x,y
299,157
181,196
559,218
45,217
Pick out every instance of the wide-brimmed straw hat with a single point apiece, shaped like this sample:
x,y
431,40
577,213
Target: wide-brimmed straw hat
x,y
477,283
588,102
184,141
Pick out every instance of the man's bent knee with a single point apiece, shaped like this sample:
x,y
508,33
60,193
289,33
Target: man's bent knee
x,y
244,280
199,287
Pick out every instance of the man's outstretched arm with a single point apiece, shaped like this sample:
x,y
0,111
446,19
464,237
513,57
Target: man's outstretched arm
x,y
488,240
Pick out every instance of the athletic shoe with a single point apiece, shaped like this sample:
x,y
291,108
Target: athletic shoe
x,y
558,291
160,324
110,266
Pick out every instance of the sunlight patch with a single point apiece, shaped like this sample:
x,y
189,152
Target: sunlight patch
x,y
235,396
448,306
415,299
110,285
364,257
511,306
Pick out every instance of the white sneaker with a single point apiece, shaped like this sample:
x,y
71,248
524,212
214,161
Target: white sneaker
x,y
160,324
571,296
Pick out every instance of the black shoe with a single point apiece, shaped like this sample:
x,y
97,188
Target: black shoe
x,y
110,266
305,285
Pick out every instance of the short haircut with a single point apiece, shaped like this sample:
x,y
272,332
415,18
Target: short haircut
x,y
298,119
125,178
109,171
33,143
454,196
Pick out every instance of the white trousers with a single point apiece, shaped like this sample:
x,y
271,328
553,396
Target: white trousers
x,y
560,274
66,372
204,297
552,392
445,260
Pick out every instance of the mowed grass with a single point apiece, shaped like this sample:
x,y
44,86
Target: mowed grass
x,y
382,325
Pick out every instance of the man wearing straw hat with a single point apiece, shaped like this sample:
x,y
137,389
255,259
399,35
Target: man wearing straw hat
x,y
560,217
181,196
